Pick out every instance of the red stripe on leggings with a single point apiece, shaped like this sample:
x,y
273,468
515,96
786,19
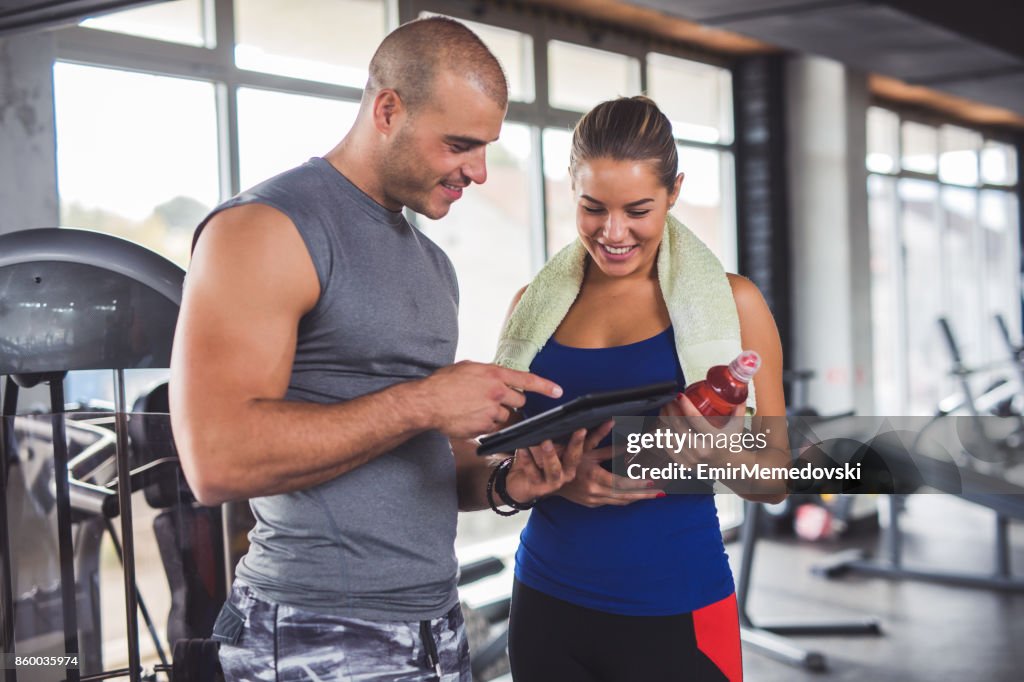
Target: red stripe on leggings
x,y
717,627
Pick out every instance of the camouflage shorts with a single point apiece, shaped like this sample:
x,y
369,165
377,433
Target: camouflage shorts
x,y
261,640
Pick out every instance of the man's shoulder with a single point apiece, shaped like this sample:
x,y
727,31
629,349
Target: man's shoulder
x,y
279,200
255,245
253,227
293,182
244,220
252,215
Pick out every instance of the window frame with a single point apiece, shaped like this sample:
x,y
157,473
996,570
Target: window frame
x,y
215,63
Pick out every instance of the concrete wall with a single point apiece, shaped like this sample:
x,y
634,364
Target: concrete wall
x,y
28,164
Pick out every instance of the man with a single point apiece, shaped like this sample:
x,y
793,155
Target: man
x,y
312,374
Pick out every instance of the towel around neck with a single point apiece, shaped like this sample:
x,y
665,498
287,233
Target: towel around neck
x,y
696,291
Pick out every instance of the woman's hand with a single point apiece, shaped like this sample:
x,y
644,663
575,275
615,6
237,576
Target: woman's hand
x,y
697,451
543,469
594,486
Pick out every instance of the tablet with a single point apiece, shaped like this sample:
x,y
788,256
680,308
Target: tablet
x,y
585,412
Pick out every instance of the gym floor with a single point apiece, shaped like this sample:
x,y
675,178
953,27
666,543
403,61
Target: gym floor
x,y
929,631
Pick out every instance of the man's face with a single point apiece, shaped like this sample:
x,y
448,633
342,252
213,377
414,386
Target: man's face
x,y
440,148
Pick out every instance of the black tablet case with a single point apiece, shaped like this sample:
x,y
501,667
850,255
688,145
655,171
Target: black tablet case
x,y
585,412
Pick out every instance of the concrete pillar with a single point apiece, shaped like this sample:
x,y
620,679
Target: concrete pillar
x,y
826,107
28,148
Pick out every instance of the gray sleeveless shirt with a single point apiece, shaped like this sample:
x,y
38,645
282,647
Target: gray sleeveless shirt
x,y
377,542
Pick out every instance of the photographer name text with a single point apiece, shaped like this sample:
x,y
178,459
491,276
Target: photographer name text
x,y
673,471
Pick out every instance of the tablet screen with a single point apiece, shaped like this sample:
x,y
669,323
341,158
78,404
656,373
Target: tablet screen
x,y
585,412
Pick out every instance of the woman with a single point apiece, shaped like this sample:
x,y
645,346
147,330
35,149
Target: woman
x,y
615,580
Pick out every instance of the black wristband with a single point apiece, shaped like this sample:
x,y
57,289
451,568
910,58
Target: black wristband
x,y
495,474
500,487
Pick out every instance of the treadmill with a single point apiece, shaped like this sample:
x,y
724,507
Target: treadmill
x,y
72,300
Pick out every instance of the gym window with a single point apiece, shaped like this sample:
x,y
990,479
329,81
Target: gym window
x,y
944,221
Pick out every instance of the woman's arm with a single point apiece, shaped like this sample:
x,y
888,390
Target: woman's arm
x,y
759,333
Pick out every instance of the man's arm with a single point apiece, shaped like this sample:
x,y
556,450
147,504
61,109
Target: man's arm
x,y
472,474
537,471
250,282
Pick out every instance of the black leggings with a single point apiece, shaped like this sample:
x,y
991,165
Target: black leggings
x,y
553,640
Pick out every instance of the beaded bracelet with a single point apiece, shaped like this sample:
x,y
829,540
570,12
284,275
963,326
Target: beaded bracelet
x,y
495,473
500,487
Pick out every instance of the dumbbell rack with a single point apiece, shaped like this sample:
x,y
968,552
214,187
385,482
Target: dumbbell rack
x,y
76,300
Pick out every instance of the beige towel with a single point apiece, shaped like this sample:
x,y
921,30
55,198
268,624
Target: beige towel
x,y
693,282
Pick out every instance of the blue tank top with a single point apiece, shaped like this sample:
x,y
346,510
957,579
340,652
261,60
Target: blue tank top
x,y
649,558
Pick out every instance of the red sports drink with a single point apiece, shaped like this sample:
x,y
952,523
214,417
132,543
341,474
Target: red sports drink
x,y
725,386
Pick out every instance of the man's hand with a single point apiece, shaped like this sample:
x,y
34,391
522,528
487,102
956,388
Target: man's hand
x,y
544,469
467,399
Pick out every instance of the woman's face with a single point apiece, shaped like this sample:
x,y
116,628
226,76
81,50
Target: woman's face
x,y
620,213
